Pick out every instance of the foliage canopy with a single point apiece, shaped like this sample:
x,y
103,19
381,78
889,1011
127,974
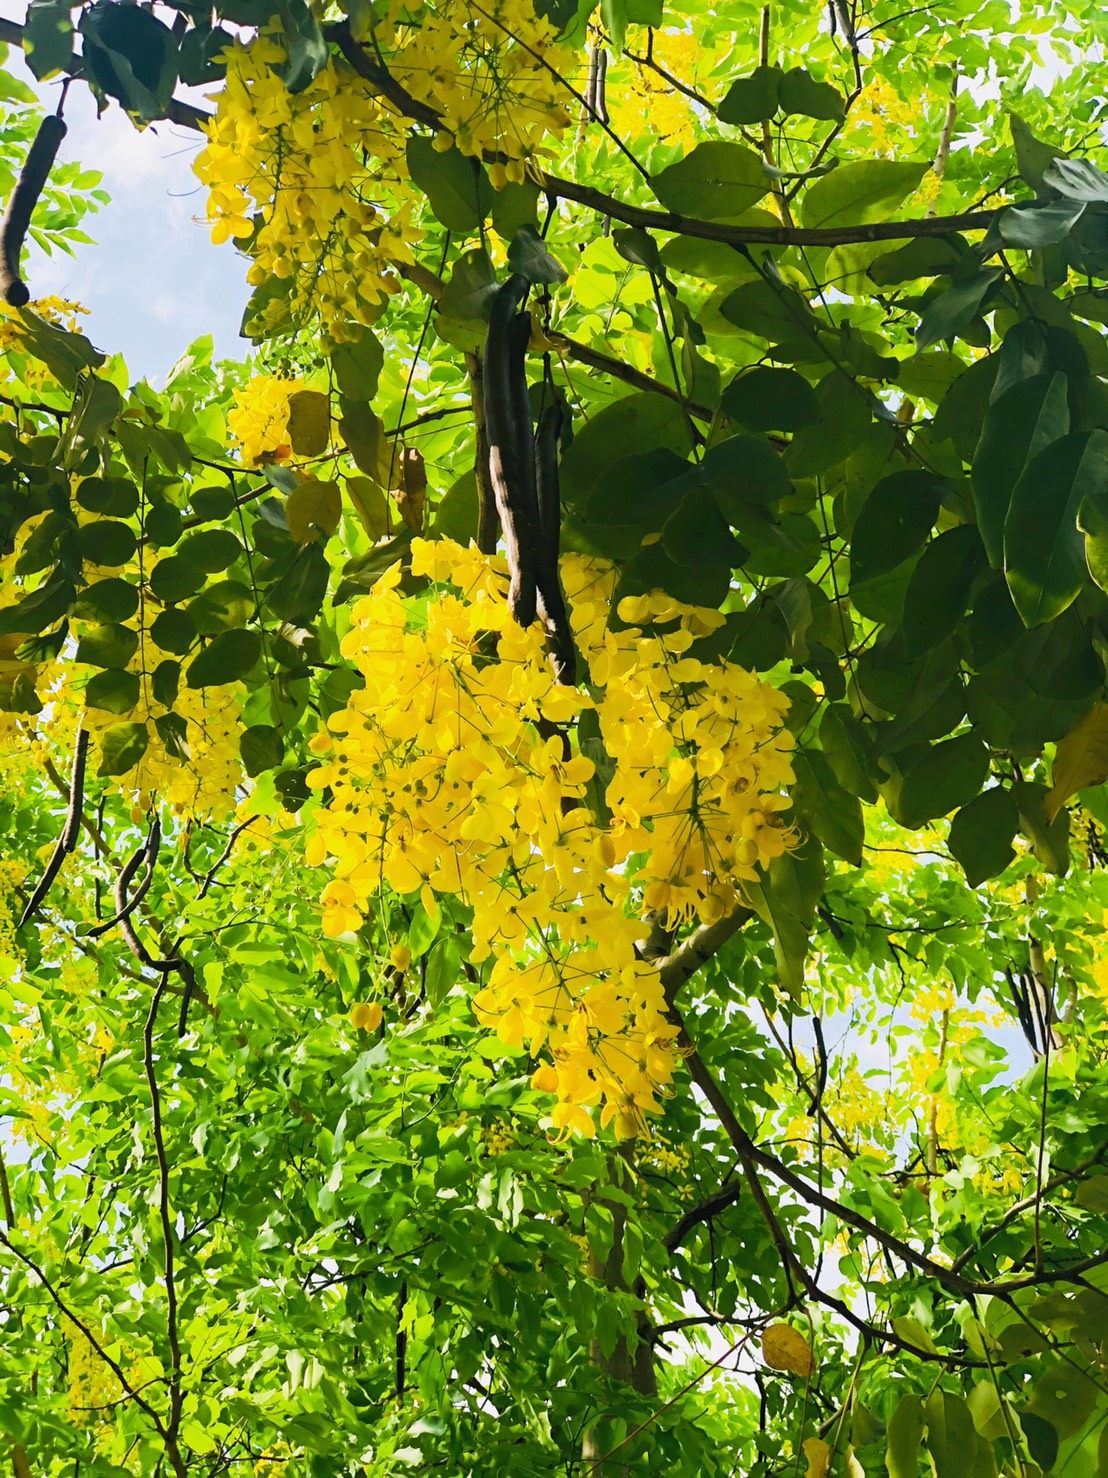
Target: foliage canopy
x,y
553,819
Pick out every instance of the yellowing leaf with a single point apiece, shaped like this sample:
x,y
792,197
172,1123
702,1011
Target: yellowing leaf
x,y
309,422
1081,759
785,1348
818,1454
370,505
313,508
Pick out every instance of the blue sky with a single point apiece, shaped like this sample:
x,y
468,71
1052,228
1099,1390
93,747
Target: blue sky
x,y
153,280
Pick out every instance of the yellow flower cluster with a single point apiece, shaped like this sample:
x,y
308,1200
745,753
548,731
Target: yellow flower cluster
x,y
316,182
453,773
259,419
644,97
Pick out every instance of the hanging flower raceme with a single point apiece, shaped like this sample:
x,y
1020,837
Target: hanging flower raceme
x,y
453,773
317,181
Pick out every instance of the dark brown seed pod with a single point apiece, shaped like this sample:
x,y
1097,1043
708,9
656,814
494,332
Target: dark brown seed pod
x,y
511,443
21,206
551,601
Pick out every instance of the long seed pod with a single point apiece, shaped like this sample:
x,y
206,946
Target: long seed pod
x,y
146,854
68,839
551,601
511,443
21,206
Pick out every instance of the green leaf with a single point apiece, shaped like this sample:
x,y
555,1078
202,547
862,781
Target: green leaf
x,y
107,542
1018,425
1044,551
799,92
1033,156
981,835
528,256
639,422
306,46
770,310
48,37
785,898
210,550
751,99
464,305
1049,839
1031,227
357,362
456,512
859,191
940,586
309,422
456,186
262,748
1080,760
112,599
717,181
107,646
224,605
131,56
1042,1439
944,777
743,472
514,205
173,579
1077,179
893,522
113,690
848,751
227,658
121,748
653,569
952,312
951,1438
696,533
766,399
116,496
164,681
1064,1396
905,1437
831,812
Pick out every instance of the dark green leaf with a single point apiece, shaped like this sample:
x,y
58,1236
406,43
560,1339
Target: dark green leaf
x,y
893,522
528,256
262,748
981,835
48,36
696,533
456,185
751,99
905,1437
110,600
222,606
715,181
1018,425
113,690
799,92
946,776
107,646
173,579
940,587
785,898
210,550
227,658
1044,550
953,311
766,399
742,472
164,682
1077,179
107,542
1049,839
115,496
831,812
848,751
121,748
